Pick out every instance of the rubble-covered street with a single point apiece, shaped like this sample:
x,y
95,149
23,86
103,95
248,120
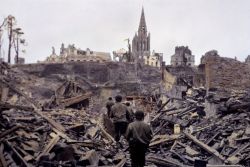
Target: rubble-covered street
x,y
71,127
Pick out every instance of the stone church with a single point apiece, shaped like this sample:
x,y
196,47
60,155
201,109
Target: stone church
x,y
141,46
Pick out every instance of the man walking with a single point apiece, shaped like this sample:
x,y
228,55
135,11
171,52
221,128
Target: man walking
x,y
138,135
109,104
120,116
130,110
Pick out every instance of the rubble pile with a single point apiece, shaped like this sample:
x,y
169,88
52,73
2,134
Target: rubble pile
x,y
31,136
70,137
220,139
68,130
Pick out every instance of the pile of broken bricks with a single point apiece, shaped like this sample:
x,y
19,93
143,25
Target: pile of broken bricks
x,y
53,138
221,139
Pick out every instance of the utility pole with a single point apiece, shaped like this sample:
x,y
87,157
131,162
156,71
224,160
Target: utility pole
x,y
129,52
10,33
1,34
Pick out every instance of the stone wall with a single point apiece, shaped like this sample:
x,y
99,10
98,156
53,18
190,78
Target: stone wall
x,y
44,79
168,81
226,73
193,75
95,72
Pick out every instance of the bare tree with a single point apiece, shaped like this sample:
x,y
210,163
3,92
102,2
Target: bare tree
x,y
17,33
13,36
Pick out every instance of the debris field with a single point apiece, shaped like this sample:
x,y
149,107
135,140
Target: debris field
x,y
71,127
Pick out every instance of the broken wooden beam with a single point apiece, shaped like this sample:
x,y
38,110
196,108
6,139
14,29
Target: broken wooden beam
x,y
73,100
121,163
164,105
2,159
240,149
106,134
165,162
49,146
159,139
180,156
54,124
5,133
204,146
212,138
89,144
10,106
21,161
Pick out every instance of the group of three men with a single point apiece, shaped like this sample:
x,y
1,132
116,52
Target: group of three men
x,y
137,133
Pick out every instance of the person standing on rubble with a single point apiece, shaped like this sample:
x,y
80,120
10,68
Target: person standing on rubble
x,y
138,136
109,104
120,116
130,110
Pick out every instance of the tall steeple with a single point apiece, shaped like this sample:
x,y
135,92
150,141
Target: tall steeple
x,y
142,26
141,40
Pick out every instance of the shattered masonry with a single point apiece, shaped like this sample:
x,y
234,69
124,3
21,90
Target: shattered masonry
x,y
53,114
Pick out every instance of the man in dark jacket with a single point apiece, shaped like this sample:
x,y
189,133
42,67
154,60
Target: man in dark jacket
x,y
130,110
109,104
120,116
138,135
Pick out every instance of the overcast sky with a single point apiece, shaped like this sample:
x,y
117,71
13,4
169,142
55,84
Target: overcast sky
x,y
102,25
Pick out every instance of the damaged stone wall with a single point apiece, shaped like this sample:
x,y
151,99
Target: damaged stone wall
x,y
191,75
225,73
169,80
172,87
99,73
43,79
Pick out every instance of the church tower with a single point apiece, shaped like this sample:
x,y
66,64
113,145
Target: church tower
x,y
141,41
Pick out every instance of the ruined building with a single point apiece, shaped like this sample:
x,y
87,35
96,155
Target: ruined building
x,y
182,57
247,59
141,46
72,54
225,73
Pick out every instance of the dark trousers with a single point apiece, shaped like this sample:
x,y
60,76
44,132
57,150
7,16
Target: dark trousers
x,y
120,129
137,153
109,112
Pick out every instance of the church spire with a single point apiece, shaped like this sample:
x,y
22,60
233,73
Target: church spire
x,y
142,26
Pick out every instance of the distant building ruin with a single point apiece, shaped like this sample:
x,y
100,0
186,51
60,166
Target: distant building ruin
x,y
72,54
155,59
182,57
119,55
209,54
248,60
